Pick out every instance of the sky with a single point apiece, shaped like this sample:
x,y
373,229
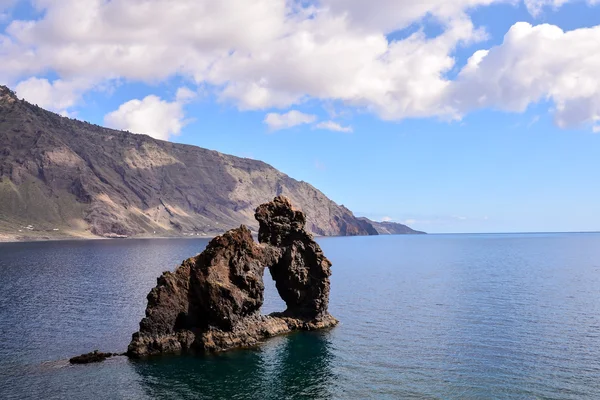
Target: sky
x,y
461,116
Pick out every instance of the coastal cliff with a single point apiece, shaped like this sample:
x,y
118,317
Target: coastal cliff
x,y
212,301
60,177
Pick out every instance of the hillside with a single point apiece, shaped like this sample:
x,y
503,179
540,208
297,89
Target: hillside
x,y
390,228
61,177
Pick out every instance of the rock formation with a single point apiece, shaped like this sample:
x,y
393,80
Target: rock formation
x,y
212,301
93,357
298,266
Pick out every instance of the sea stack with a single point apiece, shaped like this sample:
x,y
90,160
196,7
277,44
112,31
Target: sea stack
x,y
212,301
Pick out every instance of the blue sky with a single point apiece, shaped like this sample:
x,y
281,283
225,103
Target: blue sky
x,y
405,128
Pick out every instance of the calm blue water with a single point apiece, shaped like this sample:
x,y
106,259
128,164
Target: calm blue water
x,y
432,317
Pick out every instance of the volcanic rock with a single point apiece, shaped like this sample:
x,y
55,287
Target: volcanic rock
x,y
212,301
300,269
93,357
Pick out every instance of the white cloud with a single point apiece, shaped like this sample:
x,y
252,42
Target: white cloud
x,y
390,15
184,94
535,7
266,53
333,126
57,96
278,53
386,219
151,115
596,129
290,119
535,63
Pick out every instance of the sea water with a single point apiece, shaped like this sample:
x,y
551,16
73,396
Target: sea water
x,y
492,316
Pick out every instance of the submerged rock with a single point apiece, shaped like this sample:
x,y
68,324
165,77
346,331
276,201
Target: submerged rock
x,y
93,357
212,301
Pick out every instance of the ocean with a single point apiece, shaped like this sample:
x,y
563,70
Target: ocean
x,y
486,316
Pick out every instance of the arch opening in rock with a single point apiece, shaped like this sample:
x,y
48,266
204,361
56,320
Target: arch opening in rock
x,y
272,303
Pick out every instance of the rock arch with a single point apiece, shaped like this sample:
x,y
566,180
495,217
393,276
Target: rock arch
x,y
212,301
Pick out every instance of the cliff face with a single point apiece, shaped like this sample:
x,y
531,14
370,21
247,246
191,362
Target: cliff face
x,y
62,177
212,301
391,228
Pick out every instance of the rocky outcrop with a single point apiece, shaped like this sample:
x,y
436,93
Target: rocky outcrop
x,y
298,266
93,357
212,301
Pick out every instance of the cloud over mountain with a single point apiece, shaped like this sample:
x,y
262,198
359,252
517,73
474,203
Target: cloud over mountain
x,y
151,115
277,53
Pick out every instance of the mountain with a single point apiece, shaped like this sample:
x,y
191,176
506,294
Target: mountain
x,y
391,228
61,177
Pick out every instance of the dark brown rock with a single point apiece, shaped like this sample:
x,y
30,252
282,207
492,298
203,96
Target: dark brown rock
x,y
167,301
93,357
212,301
279,223
227,280
300,269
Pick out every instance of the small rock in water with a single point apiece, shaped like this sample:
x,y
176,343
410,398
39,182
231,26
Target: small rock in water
x,y
93,357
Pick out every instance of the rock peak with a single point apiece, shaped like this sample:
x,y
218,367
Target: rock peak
x,y
7,95
212,301
279,222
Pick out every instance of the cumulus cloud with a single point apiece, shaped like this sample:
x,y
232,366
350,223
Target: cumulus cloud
x,y
267,53
535,63
57,96
151,115
386,219
390,15
290,119
184,94
333,126
279,53
535,7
